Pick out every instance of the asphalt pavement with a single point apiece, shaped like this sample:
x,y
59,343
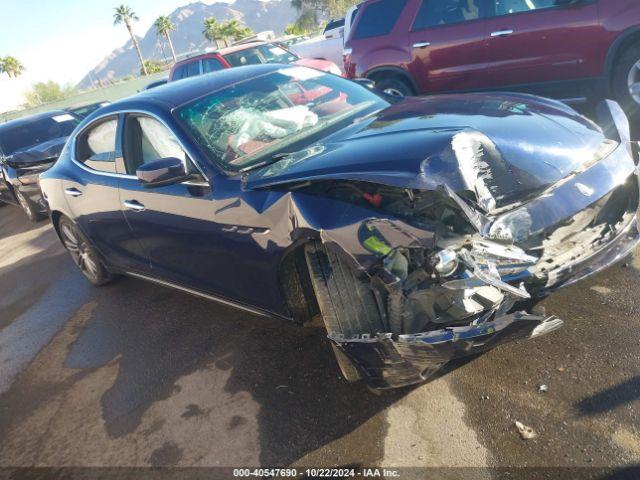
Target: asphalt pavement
x,y
134,374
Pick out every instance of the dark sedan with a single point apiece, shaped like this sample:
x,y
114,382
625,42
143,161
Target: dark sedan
x,y
422,230
29,146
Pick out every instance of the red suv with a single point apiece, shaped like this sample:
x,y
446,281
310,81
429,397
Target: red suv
x,y
568,49
245,54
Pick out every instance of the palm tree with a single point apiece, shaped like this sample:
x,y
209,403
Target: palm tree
x,y
11,66
212,30
235,30
164,26
124,14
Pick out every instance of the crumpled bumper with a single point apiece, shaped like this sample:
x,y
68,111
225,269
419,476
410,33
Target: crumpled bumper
x,y
387,362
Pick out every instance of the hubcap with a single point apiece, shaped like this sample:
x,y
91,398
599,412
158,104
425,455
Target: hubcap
x,y
633,82
79,251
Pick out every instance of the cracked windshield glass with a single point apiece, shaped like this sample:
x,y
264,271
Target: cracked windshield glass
x,y
247,124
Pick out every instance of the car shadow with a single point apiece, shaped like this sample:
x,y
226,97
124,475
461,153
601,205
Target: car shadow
x,y
610,398
160,336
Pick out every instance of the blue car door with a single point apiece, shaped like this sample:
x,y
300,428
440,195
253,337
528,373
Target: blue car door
x,y
180,226
92,195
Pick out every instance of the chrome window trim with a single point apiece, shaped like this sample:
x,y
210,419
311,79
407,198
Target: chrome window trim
x,y
147,113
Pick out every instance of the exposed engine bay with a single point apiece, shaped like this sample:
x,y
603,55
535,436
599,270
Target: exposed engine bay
x,y
461,275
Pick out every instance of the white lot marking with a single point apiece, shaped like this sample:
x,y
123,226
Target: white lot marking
x,y
427,429
22,245
21,340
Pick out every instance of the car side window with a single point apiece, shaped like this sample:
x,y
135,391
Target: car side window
x,y
178,73
445,12
508,7
96,146
211,65
379,18
146,140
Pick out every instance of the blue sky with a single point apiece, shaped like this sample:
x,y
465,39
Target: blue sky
x,y
62,39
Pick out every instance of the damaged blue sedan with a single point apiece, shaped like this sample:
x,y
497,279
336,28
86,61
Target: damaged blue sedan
x,y
420,229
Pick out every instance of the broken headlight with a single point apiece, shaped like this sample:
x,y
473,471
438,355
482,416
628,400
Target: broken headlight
x,y
512,227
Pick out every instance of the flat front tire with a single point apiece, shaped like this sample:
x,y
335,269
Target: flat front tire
x,y
347,303
83,254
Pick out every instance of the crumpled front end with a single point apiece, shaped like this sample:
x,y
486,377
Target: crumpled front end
x,y
448,289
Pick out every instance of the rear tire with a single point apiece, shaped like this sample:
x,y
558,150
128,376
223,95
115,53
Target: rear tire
x,y
28,208
626,76
394,85
83,254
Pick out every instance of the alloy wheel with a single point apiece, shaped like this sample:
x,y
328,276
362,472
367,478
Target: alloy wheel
x,y
25,205
633,82
80,252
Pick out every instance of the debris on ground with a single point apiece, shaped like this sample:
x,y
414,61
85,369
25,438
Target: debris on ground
x,y
526,433
561,369
543,388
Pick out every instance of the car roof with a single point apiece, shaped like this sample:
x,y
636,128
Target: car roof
x,y
32,118
174,94
222,51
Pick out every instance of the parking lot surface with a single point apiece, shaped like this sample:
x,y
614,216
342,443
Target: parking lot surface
x,y
133,374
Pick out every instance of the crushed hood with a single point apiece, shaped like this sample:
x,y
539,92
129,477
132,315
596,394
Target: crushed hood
x,y
43,152
516,145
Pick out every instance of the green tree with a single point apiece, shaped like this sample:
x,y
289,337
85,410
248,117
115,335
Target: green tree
x,y
212,30
124,14
235,30
164,26
295,29
311,10
11,66
152,66
46,92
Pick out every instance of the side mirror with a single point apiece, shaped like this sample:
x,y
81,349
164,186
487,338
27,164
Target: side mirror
x,y
165,171
366,82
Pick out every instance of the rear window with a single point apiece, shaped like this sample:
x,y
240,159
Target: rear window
x,y
189,70
379,18
269,53
25,135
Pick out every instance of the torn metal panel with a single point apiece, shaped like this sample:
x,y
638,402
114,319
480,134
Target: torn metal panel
x,y
386,361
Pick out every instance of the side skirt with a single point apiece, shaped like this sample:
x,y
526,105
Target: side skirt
x,y
197,293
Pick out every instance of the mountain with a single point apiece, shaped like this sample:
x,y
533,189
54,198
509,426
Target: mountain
x,y
259,15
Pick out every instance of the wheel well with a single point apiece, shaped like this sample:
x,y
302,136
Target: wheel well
x,y
629,41
295,283
377,75
55,219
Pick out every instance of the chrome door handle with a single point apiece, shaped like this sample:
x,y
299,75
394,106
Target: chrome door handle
x,y
421,45
133,205
501,33
73,192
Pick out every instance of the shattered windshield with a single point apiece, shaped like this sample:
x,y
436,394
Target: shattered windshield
x,y
249,123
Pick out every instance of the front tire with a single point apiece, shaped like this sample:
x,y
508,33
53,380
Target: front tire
x,y
347,303
83,254
626,82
